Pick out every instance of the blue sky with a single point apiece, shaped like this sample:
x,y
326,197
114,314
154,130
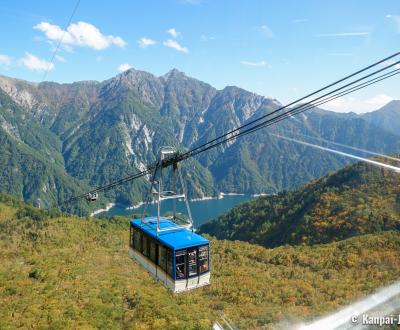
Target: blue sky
x,y
280,49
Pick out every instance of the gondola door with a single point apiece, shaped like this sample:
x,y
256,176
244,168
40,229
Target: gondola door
x,y
192,271
181,270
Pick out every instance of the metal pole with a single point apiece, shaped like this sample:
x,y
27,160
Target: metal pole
x,y
149,193
159,195
158,205
174,187
185,197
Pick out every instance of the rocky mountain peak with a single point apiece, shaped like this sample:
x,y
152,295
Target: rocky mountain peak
x,y
391,106
174,74
145,85
20,91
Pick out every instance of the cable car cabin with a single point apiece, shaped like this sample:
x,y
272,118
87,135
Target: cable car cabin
x,y
179,258
92,197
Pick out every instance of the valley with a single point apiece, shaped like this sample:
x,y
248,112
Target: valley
x,y
197,165
91,133
202,210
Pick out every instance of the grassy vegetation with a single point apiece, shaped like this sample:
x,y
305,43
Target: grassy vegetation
x,y
60,272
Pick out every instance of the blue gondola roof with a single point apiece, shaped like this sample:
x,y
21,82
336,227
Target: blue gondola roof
x,y
175,239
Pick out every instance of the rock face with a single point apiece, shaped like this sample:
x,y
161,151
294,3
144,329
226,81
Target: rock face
x,y
98,132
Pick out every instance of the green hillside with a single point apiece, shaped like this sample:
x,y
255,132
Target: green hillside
x,y
359,199
59,272
31,165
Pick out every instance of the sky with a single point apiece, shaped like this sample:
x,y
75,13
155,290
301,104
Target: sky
x,y
279,49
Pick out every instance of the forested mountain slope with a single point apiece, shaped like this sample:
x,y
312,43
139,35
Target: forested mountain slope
x,y
359,199
31,165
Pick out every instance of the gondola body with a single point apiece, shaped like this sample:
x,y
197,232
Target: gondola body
x,y
179,258
168,247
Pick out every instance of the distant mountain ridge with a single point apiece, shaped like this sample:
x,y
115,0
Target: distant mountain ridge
x,y
387,117
106,130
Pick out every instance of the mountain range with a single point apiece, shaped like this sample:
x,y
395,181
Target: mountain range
x,y
58,140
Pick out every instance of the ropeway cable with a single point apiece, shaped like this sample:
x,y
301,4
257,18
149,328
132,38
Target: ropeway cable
x,y
311,94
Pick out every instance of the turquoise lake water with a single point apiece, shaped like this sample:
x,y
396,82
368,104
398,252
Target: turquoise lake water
x,y
202,211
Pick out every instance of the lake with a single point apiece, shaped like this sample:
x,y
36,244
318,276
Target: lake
x,y
202,210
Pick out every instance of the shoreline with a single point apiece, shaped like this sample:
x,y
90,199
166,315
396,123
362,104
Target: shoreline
x,y
134,207
260,194
108,207
233,194
205,198
221,195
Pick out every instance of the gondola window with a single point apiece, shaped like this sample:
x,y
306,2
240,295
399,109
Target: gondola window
x,y
203,259
181,264
192,261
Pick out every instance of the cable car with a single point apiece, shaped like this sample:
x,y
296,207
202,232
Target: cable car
x,y
178,258
92,196
168,247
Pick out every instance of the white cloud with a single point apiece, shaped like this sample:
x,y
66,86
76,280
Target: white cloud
x,y
175,45
343,34
79,34
266,31
379,101
347,104
124,67
173,32
146,42
250,63
5,60
34,63
60,58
